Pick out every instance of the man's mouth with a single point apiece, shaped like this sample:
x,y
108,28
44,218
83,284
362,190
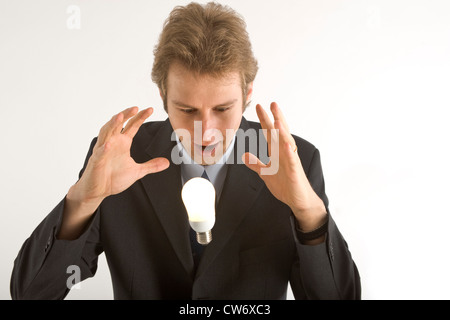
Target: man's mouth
x,y
208,149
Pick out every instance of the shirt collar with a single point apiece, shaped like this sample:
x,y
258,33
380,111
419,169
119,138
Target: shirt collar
x,y
193,169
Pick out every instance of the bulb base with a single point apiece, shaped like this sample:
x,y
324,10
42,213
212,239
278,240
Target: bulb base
x,y
204,237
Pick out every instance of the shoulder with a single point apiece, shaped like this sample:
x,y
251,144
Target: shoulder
x,y
152,127
153,134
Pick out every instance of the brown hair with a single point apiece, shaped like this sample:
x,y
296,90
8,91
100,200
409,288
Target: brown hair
x,y
207,39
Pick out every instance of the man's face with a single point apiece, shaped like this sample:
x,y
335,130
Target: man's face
x,y
205,107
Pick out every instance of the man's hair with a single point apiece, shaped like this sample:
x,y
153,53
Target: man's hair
x,y
208,39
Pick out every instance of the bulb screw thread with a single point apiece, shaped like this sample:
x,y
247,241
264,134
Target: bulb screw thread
x,y
204,237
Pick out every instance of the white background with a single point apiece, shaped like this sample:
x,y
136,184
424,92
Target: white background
x,y
367,82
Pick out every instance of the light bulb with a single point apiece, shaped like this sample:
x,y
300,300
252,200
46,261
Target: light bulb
x,y
199,197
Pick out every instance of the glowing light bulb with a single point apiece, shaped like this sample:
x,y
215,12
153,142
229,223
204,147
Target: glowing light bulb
x,y
199,197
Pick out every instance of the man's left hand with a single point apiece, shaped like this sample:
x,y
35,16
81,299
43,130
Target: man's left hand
x,y
288,183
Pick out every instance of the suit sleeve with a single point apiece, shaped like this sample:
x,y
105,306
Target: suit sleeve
x,y
46,267
327,270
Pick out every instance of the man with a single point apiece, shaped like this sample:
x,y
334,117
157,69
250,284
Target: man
x,y
272,221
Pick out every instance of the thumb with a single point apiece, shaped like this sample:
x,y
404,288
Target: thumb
x,y
252,162
153,166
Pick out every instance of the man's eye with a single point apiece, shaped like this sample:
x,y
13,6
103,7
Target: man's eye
x,y
222,109
188,111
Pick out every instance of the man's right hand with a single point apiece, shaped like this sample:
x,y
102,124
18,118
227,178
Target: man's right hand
x,y
110,170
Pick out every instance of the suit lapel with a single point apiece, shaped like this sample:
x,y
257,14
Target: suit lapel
x,y
164,191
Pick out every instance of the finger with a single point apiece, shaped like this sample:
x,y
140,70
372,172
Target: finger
x,y
284,134
153,166
278,115
280,123
115,124
135,123
266,125
107,128
252,162
263,117
126,115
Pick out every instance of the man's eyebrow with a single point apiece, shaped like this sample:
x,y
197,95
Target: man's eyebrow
x,y
184,105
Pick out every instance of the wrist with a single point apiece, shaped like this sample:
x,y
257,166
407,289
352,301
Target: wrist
x,y
77,213
314,237
78,197
312,232
311,217
79,206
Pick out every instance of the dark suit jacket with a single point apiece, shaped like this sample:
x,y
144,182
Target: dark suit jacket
x,y
144,233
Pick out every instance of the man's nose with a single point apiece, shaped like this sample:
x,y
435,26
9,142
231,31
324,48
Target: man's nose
x,y
208,127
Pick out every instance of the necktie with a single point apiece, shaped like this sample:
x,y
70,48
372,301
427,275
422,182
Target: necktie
x,y
205,175
197,248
